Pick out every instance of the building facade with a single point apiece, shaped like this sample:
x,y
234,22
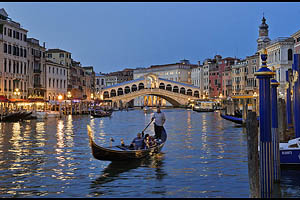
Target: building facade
x,y
239,77
14,73
37,69
197,76
56,80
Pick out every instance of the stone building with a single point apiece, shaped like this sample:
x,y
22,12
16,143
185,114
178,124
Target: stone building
x,y
36,69
14,73
56,80
239,77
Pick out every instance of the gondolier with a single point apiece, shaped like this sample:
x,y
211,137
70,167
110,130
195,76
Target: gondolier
x,y
160,119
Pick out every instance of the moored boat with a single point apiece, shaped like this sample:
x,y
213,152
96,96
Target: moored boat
x,y
204,106
237,120
119,153
290,152
101,113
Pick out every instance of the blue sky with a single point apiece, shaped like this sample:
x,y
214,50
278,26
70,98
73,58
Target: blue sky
x,y
113,36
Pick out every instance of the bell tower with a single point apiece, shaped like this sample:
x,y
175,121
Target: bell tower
x,y
263,37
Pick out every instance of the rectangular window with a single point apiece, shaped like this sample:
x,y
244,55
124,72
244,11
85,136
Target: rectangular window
x,y
17,35
9,64
14,50
21,67
21,52
4,30
25,37
61,55
5,63
49,82
9,49
9,32
14,34
25,55
5,48
24,67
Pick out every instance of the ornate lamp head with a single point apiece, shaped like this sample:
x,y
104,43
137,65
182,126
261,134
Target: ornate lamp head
x,y
264,57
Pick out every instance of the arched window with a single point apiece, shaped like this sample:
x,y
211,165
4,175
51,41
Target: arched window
x,y
120,91
169,87
162,86
113,93
141,86
105,94
182,90
290,54
196,94
133,88
175,89
127,89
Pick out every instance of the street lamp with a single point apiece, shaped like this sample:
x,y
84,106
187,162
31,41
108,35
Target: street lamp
x,y
69,95
17,92
60,97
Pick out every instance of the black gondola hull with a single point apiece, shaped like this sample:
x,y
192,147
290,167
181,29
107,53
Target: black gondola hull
x,y
112,154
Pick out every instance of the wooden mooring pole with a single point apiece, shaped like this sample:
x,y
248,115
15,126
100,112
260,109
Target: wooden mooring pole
x,y
275,133
264,74
253,161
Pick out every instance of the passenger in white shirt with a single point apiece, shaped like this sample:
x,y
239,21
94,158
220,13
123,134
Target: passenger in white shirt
x,y
160,119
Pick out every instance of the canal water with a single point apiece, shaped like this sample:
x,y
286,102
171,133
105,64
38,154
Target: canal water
x,y
205,156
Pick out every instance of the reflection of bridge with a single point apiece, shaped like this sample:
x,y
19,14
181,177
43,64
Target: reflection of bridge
x,y
174,92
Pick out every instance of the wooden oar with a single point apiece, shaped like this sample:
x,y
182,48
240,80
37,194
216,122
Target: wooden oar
x,y
146,127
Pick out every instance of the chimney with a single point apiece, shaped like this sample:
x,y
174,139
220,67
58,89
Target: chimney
x,y
44,44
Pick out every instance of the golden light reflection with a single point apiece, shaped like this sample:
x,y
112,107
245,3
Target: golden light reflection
x,y
60,134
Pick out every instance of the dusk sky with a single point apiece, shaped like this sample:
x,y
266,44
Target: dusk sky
x,y
114,36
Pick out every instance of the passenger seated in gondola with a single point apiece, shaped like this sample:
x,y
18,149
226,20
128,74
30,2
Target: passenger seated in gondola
x,y
149,141
137,143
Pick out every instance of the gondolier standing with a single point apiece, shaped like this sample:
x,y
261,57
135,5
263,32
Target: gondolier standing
x,y
160,119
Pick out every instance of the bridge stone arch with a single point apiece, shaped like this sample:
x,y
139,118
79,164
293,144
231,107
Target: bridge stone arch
x,y
172,91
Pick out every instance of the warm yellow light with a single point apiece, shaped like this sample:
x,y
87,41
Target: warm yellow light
x,y
60,97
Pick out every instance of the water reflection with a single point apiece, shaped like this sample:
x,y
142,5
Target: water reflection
x,y
146,168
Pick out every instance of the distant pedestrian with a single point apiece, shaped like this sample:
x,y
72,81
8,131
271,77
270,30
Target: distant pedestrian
x,y
160,119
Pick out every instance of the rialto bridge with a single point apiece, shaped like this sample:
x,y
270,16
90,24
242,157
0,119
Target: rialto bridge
x,y
174,92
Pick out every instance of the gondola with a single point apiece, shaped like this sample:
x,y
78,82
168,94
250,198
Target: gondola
x,y
233,119
121,153
102,114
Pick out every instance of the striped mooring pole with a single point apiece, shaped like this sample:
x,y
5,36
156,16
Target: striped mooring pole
x,y
296,96
288,102
264,74
275,133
